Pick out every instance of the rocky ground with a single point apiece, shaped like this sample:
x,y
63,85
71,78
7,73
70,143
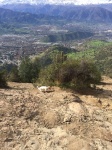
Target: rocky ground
x,y
57,120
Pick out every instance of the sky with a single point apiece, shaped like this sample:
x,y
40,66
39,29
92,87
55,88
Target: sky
x,y
57,1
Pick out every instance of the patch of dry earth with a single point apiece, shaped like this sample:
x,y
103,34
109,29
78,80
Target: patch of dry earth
x,y
58,120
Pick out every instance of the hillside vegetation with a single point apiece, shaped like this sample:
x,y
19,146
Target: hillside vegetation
x,y
54,68
67,67
3,82
67,36
98,51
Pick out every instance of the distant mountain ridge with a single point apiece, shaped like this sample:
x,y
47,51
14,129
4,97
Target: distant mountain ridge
x,y
12,17
91,13
9,16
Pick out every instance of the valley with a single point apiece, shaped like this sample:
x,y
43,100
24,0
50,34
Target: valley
x,y
28,32
67,48
28,40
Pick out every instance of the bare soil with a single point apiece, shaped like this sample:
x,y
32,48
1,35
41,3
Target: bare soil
x,y
55,120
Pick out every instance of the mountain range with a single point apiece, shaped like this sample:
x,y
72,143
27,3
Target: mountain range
x,y
12,17
27,13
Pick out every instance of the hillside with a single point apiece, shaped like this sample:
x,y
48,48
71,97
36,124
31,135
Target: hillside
x,y
93,14
97,50
56,120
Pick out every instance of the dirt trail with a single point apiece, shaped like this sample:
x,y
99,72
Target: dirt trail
x,y
58,120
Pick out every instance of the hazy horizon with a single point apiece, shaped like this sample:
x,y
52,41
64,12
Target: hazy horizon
x,y
77,2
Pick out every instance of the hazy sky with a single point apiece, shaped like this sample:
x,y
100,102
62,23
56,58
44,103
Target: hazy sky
x,y
58,1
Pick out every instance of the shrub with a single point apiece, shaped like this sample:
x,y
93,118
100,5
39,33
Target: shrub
x,y
81,74
3,82
48,75
77,74
104,60
28,70
14,75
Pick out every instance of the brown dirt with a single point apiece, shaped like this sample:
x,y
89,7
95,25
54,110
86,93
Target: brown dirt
x,y
57,120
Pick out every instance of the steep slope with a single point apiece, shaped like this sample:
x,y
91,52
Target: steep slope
x,y
92,14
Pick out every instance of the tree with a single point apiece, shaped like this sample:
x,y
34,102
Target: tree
x,y
48,75
25,70
28,70
14,75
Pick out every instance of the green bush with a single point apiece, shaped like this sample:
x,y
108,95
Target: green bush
x,y
28,70
74,74
14,75
3,82
79,74
104,60
48,75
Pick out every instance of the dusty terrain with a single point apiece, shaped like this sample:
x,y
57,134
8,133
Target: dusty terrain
x,y
58,120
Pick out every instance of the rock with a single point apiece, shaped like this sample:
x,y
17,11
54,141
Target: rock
x,y
79,144
76,108
51,119
67,118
